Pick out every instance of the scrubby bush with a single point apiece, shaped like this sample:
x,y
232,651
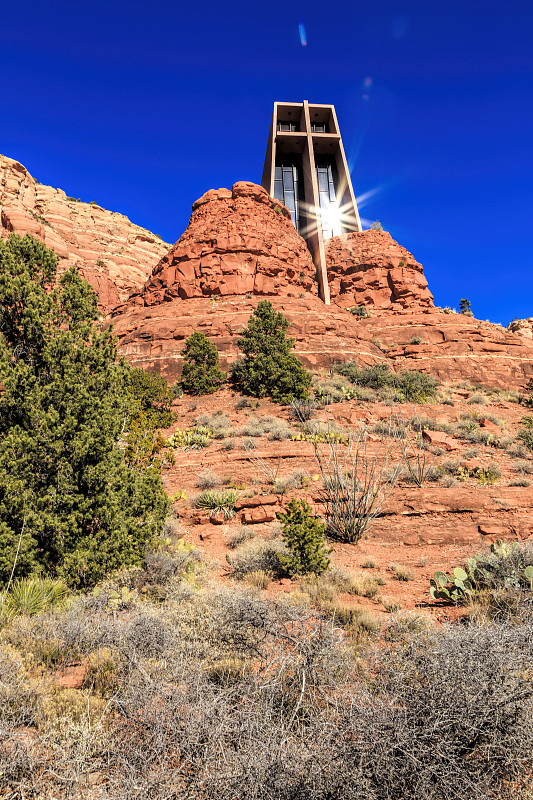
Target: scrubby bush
x,y
268,367
218,423
71,505
528,401
303,533
526,432
258,554
220,695
201,372
408,385
302,410
355,484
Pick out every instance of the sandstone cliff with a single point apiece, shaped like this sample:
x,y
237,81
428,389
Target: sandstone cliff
x,y
112,253
237,242
371,269
240,246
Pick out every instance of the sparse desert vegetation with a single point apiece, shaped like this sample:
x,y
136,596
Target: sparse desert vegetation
x,y
335,604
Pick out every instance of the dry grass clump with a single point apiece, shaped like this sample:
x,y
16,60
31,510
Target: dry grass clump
x,y
277,429
400,572
257,555
296,480
217,694
259,578
219,423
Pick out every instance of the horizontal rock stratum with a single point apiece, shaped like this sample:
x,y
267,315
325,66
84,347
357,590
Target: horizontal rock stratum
x,y
112,253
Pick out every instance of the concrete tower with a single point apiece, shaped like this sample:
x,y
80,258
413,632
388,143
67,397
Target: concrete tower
x,y
305,168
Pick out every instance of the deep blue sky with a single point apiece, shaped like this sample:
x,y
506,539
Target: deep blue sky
x,y
144,106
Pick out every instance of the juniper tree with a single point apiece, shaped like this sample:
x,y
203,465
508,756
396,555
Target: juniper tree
x,y
303,533
70,504
268,367
201,366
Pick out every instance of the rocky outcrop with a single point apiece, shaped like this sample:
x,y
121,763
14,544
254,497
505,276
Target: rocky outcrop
x,y
369,268
241,246
237,242
112,253
524,327
452,346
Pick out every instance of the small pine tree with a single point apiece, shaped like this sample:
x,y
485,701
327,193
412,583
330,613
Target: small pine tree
x,y
303,533
465,307
201,366
269,367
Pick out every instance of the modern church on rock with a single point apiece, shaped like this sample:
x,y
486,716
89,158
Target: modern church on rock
x,y
306,168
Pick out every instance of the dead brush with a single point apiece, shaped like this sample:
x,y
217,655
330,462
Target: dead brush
x,y
417,461
356,482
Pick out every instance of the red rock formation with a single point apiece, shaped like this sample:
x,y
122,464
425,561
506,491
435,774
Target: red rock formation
x,y
237,242
153,336
112,253
371,269
241,245
452,346
524,327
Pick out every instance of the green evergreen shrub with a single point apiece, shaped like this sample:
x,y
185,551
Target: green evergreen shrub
x,y
151,408
201,367
465,307
268,367
303,533
71,506
528,401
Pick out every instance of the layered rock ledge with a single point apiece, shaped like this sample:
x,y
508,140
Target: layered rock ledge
x,y
369,268
113,255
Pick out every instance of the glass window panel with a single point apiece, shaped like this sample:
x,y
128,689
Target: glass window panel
x,y
324,200
322,180
289,201
277,173
288,180
278,190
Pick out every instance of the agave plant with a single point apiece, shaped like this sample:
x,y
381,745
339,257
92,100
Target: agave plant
x,y
218,501
29,596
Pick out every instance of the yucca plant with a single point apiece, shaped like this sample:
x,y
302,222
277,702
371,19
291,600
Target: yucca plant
x,y
29,596
223,500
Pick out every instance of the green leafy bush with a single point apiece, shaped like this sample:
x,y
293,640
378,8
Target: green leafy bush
x,y
303,533
71,505
409,385
201,372
268,367
359,311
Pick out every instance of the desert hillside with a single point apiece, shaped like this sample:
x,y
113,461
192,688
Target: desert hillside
x,y
209,595
112,253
